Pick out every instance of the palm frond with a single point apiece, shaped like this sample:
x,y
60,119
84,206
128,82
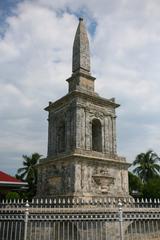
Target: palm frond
x,y
22,169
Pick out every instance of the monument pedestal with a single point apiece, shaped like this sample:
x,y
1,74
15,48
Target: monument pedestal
x,y
79,175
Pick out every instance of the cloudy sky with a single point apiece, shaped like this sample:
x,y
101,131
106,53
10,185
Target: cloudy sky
x,y
36,38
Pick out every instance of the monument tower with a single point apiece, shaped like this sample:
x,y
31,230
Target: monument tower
x,y
82,160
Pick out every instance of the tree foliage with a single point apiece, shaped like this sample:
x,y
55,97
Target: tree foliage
x,y
146,165
151,189
12,196
146,182
28,172
135,184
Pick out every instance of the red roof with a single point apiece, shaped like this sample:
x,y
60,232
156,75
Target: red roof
x,y
7,178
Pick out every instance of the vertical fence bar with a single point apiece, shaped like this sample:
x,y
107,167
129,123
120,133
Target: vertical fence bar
x,y
26,220
120,220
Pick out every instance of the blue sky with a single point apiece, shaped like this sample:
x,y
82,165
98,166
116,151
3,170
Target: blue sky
x,y
7,7
36,48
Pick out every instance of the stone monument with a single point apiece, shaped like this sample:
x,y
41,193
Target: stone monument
x,y
82,160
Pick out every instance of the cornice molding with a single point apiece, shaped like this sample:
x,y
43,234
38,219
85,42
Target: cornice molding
x,y
75,94
85,158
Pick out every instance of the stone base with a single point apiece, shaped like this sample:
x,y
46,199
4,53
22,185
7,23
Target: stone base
x,y
82,176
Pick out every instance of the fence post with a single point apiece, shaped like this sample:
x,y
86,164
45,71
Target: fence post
x,y
26,219
120,219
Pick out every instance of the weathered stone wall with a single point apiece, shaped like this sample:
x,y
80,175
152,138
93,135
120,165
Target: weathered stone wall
x,y
85,113
80,176
81,82
101,179
78,115
67,114
56,179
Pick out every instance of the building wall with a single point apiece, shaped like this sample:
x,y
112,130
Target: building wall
x,y
56,179
77,176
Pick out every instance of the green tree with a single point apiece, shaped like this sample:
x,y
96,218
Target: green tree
x,y
28,173
151,189
12,196
135,184
146,165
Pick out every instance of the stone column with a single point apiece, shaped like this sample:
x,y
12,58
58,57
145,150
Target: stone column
x,y
51,135
87,130
114,135
72,127
82,128
106,135
110,135
124,180
103,134
68,130
78,127
55,147
78,178
53,129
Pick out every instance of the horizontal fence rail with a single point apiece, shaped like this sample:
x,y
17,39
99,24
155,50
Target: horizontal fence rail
x,y
27,221
79,202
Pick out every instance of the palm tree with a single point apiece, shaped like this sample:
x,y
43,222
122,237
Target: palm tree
x,y
28,172
146,165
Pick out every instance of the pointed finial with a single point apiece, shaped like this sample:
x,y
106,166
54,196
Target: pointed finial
x,y
80,19
81,53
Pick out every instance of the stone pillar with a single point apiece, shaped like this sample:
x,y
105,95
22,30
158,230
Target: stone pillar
x,y
72,127
114,135
106,135
78,178
103,134
86,178
124,180
110,135
51,135
87,130
78,127
83,128
54,138
68,130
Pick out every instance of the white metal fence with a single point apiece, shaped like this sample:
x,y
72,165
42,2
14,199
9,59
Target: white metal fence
x,y
67,202
99,219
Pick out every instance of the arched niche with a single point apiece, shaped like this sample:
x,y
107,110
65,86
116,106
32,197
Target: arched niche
x,y
96,135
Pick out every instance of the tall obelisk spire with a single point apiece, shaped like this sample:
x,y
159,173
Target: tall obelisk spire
x,y
81,53
81,79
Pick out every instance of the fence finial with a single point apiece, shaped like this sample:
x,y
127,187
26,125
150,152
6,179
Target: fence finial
x,y
120,204
120,219
26,219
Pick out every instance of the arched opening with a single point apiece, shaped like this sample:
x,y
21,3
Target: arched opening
x,y
61,137
96,135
